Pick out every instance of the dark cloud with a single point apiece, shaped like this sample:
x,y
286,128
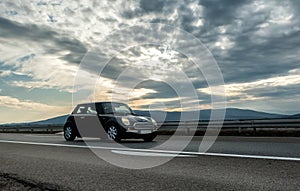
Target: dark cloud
x,y
52,41
152,6
296,7
163,90
220,12
252,57
282,92
250,62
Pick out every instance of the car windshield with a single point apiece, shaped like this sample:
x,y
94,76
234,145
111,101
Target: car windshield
x,y
116,108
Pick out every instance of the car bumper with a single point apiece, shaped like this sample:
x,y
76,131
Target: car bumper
x,y
141,131
132,135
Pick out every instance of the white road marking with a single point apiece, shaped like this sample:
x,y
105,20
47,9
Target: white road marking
x,y
51,136
149,154
156,151
89,138
43,136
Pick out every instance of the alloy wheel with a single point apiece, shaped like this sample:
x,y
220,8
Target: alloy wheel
x,y
68,132
112,133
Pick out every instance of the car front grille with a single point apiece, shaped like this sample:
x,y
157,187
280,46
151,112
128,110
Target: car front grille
x,y
143,126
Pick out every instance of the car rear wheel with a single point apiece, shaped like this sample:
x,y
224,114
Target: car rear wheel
x,y
69,133
113,133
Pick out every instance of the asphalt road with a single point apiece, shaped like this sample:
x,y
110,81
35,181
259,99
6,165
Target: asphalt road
x,y
47,162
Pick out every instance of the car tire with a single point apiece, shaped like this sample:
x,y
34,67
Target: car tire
x,y
150,137
113,132
69,132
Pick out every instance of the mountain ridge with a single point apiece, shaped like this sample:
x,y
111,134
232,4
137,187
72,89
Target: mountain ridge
x,y
295,116
203,115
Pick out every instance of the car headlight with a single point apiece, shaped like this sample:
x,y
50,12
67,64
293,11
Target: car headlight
x,y
154,122
125,121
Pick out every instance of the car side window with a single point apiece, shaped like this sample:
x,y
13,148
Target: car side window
x,y
121,109
91,110
107,108
81,110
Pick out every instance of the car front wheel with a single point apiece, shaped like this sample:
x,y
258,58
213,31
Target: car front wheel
x,y
113,133
69,133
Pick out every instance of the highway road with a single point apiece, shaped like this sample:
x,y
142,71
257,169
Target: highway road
x,y
47,162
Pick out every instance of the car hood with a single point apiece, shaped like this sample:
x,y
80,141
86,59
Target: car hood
x,y
142,119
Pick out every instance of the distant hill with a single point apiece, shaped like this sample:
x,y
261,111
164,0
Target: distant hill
x,y
53,121
235,113
231,114
296,116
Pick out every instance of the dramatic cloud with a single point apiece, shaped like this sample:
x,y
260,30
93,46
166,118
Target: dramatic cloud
x,y
255,43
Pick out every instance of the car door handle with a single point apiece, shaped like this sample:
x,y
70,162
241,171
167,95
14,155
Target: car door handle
x,y
82,117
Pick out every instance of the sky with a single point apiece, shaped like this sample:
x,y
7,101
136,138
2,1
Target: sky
x,y
45,46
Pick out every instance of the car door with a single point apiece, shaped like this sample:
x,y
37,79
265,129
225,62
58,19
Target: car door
x,y
93,126
87,121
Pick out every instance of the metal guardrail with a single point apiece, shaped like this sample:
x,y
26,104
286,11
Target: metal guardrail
x,y
236,125
31,128
259,123
233,125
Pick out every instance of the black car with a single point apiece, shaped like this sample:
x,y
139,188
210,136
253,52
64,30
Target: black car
x,y
111,120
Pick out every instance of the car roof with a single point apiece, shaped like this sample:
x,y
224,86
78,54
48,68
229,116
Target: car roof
x,y
81,104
